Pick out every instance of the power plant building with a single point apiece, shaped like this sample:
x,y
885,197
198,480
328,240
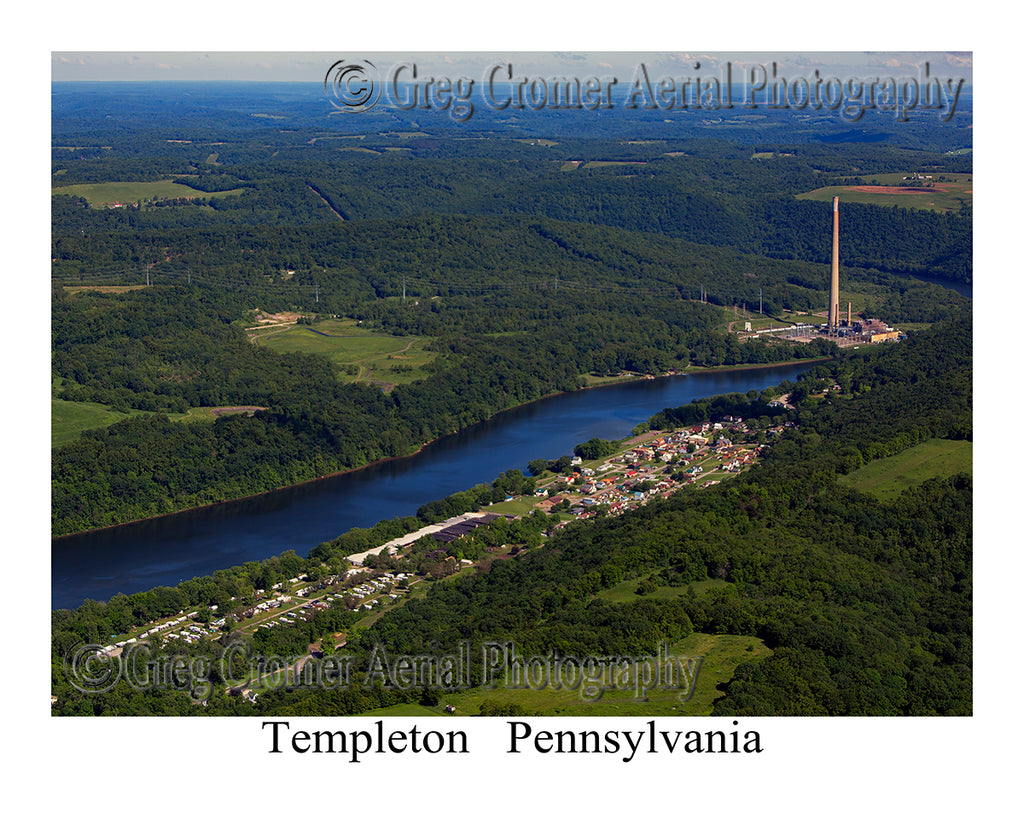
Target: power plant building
x,y
844,330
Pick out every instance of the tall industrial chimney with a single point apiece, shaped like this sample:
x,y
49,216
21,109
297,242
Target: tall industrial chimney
x,y
833,299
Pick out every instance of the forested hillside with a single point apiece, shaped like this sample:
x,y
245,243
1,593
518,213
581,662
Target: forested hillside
x,y
705,191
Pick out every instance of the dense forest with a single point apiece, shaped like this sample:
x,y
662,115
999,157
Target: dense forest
x,y
714,194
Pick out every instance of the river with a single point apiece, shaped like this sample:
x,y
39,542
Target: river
x,y
963,288
164,551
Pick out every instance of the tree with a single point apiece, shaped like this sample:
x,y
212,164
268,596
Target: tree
x,y
595,448
537,466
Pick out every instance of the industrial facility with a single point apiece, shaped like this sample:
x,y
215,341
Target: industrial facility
x,y
843,330
850,332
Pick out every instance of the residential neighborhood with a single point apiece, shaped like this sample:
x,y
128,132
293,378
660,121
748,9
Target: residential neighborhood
x,y
649,465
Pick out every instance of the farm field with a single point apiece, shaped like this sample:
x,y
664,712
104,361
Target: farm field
x,y
100,194
888,477
359,354
104,288
950,195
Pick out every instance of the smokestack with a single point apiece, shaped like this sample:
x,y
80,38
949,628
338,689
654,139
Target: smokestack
x,y
849,314
833,299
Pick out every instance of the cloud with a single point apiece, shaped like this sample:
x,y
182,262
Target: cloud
x,y
960,60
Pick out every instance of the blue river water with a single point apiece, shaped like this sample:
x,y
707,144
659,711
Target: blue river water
x,y
963,288
164,551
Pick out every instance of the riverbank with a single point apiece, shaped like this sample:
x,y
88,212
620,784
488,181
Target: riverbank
x,y
607,381
196,542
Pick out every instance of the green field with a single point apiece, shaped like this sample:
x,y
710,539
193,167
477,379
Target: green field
x,y
408,709
719,653
625,592
888,477
951,195
522,506
377,358
101,194
69,418
610,163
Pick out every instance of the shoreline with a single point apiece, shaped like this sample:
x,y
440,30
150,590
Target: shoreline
x,y
611,381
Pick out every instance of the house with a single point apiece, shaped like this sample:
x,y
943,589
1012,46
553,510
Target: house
x,y
546,505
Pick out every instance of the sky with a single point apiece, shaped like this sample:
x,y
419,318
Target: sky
x,y
305,66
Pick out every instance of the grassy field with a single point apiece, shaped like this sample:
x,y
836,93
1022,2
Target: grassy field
x,y
719,654
609,163
522,506
104,288
946,196
69,418
888,477
625,592
100,194
378,358
408,709
600,380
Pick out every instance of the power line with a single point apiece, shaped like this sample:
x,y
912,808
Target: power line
x,y
235,281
